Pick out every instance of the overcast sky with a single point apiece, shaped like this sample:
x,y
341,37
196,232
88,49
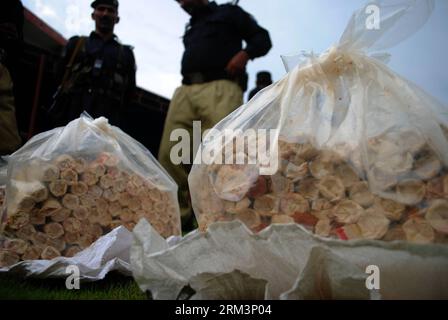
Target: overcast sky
x,y
155,28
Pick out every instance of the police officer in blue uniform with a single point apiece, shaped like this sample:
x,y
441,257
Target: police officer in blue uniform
x,y
99,72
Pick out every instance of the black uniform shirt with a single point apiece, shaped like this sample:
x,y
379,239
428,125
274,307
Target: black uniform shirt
x,y
102,80
11,13
215,35
103,59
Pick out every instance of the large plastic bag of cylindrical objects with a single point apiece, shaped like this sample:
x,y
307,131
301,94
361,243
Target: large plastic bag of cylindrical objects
x,y
362,152
68,187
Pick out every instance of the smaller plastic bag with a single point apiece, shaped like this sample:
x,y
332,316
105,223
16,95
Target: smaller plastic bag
x,y
68,187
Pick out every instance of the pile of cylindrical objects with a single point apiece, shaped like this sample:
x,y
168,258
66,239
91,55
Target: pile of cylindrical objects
x,y
60,207
398,191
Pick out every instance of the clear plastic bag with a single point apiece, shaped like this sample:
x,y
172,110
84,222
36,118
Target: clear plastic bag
x,y
68,187
3,178
362,152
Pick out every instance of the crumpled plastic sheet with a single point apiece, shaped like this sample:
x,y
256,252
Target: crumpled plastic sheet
x,y
283,262
109,253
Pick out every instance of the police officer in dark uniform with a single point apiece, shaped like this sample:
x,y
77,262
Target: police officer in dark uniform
x,y
214,76
99,72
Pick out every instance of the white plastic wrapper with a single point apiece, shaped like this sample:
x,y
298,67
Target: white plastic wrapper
x,y
3,179
284,262
68,187
109,253
2,197
362,152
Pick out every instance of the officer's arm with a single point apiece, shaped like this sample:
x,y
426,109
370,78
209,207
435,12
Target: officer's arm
x,y
66,54
131,73
258,41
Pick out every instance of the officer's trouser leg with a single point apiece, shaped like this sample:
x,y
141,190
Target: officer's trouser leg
x,y
180,116
215,100
9,135
208,103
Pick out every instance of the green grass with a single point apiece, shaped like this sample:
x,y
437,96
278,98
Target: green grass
x,y
114,287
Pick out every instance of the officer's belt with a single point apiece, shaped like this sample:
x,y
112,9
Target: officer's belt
x,y
110,93
204,77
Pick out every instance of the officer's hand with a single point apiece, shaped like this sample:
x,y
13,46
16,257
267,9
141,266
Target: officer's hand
x,y
238,63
